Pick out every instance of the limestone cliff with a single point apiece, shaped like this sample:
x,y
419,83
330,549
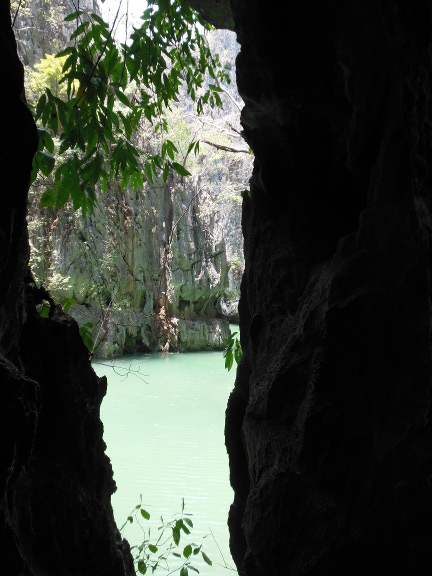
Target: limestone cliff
x,y
142,268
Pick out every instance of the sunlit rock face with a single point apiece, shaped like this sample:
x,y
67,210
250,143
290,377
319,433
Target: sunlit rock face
x,y
328,428
55,480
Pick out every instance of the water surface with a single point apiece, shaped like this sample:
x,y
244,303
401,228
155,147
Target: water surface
x,y
164,430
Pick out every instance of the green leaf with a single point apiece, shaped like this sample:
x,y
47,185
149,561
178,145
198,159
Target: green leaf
x,y
125,181
45,162
142,568
148,114
73,16
215,88
229,360
49,142
153,548
87,335
233,351
62,195
104,184
166,172
180,169
66,51
171,149
206,558
99,20
187,551
188,522
176,535
48,199
145,514
80,29
68,303
123,98
148,172
184,571
185,529
44,311
41,105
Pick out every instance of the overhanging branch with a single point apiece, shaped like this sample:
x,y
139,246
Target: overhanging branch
x,y
226,148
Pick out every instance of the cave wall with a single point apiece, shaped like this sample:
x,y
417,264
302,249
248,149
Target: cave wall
x,y
55,479
328,427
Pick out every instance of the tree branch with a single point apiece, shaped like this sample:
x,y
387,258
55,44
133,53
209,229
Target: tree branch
x,y
16,13
226,148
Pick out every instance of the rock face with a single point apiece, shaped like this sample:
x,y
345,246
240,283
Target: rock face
x,y
55,479
40,28
328,429
142,264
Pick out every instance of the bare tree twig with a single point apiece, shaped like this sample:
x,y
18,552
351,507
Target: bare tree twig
x,y
182,214
104,318
16,13
225,564
233,100
128,371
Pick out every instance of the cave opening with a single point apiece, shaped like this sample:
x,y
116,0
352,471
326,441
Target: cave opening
x,y
92,268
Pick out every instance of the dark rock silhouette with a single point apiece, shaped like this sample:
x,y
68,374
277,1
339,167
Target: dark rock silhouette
x,y
328,428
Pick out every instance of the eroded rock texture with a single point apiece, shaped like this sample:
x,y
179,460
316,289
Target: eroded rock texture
x,y
328,428
55,480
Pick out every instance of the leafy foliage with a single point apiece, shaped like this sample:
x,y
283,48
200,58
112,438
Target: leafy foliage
x,y
94,117
86,333
233,351
159,554
48,73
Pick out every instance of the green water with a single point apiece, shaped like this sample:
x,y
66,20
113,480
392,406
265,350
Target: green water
x,y
165,439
